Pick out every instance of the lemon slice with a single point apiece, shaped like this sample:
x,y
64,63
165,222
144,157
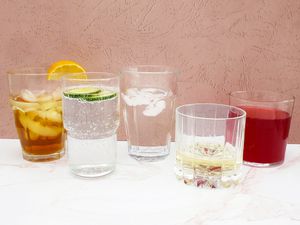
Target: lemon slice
x,y
60,68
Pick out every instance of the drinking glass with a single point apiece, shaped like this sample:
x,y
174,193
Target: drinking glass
x,y
209,144
36,104
267,125
91,119
148,93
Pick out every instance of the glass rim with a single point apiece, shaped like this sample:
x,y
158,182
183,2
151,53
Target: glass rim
x,y
170,70
287,98
22,71
105,76
65,76
211,118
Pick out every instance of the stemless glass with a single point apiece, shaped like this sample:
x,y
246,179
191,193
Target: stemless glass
x,y
91,119
36,104
267,125
148,93
209,144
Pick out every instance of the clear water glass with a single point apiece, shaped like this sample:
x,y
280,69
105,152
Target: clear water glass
x,y
209,144
91,119
148,94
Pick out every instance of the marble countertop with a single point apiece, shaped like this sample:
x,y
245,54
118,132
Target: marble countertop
x,y
142,193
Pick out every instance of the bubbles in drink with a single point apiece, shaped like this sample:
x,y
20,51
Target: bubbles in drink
x,y
91,118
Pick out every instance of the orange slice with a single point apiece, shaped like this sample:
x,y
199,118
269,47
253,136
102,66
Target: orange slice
x,y
63,67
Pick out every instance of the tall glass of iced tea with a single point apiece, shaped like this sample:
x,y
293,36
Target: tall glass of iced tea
x,y
267,125
36,104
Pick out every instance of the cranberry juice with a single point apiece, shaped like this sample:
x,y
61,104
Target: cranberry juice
x,y
265,135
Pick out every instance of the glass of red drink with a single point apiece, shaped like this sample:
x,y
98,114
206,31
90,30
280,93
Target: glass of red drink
x,y
267,125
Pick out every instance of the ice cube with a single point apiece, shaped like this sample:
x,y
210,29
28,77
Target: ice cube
x,y
131,92
23,106
56,95
48,105
38,128
44,98
135,100
38,93
155,108
28,96
33,136
127,99
53,116
144,96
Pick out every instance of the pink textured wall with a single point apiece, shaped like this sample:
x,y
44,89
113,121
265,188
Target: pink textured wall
x,y
219,45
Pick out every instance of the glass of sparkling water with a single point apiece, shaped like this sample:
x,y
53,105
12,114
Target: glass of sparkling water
x,y
148,93
209,144
91,119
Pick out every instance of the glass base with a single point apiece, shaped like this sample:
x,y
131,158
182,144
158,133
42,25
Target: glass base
x,y
263,165
210,180
43,158
148,153
90,171
92,157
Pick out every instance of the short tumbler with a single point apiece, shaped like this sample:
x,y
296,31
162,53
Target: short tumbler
x,y
267,125
36,104
148,93
91,118
209,144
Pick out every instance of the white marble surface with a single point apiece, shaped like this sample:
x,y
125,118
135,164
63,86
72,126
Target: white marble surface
x,y
142,193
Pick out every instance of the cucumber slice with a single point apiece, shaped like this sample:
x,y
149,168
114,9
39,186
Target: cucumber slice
x,y
81,92
103,95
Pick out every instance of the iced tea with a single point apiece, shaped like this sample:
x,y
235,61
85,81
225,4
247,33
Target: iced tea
x,y
38,119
